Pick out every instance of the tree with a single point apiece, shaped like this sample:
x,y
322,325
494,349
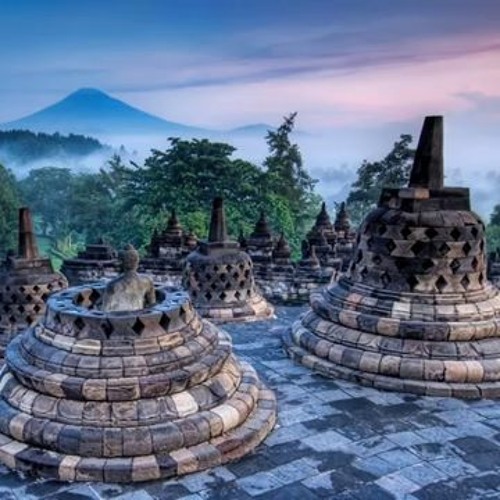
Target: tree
x,y
495,216
289,188
392,171
47,191
187,176
9,204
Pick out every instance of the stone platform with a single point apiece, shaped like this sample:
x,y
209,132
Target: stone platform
x,y
127,396
334,440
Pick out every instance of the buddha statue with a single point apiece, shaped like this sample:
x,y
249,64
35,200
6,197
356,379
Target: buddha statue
x,y
130,291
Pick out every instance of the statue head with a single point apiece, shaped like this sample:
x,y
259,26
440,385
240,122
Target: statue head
x,y
129,258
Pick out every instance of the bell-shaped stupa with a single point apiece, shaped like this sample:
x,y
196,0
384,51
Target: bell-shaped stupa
x,y
124,382
26,281
219,277
415,312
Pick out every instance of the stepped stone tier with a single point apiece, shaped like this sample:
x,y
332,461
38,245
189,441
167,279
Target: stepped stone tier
x,y
98,261
26,281
98,393
260,243
219,277
415,312
167,253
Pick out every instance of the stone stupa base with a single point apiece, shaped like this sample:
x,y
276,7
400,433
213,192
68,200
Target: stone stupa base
x,y
211,438
126,396
254,309
455,360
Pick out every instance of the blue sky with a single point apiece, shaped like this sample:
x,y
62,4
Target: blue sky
x,y
179,57
358,71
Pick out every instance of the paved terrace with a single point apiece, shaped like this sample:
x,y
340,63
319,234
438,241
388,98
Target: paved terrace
x,y
334,439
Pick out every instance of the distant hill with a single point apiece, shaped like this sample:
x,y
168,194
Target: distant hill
x,y
92,112
24,146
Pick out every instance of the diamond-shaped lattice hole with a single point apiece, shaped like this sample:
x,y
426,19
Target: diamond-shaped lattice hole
x,y
443,249
466,248
223,295
431,233
455,265
455,233
94,296
208,276
481,246
37,308
475,263
369,243
138,326
465,282
223,276
418,247
242,266
36,288
376,259
427,264
412,281
28,298
79,324
364,272
13,298
405,232
50,286
441,283
21,308
214,286
229,268
247,273
474,231
107,327
242,284
390,245
227,286
45,296
79,299
164,321
237,294
30,320
208,296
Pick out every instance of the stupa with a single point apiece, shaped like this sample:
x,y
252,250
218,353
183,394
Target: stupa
x,y
346,238
98,261
125,382
415,313
26,280
323,238
260,243
167,252
219,277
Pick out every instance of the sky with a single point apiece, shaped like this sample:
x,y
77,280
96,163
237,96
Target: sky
x,y
359,70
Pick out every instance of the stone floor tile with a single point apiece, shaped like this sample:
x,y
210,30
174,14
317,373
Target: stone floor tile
x,y
327,441
397,485
422,474
259,483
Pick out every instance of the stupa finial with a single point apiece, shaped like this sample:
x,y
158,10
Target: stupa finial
x,y
218,231
428,168
28,248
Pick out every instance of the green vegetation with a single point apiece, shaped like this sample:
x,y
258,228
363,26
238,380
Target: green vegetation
x,y
9,202
26,146
126,203
392,171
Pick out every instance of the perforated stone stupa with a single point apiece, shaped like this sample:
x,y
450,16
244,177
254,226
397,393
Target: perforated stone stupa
x,y
219,277
415,312
98,261
98,393
26,281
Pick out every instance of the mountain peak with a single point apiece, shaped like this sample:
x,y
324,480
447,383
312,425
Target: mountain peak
x,y
88,92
